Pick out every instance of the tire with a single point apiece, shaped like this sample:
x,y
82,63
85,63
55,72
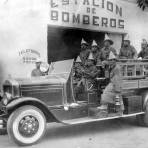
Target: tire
x,y
142,119
26,125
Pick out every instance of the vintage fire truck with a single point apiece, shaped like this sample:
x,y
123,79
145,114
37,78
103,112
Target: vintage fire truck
x,y
28,104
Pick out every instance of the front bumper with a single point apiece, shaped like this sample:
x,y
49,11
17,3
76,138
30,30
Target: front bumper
x,y
3,117
1,124
3,120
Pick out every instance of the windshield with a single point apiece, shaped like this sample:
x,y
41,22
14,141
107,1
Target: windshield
x,y
60,70
61,67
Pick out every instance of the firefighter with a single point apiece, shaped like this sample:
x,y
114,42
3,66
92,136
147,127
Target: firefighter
x,y
37,71
91,71
78,77
113,89
144,50
127,51
84,51
78,69
105,51
96,53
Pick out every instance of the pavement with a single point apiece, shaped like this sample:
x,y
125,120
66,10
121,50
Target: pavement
x,y
116,133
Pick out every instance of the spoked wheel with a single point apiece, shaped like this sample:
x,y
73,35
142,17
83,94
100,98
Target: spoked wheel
x,y
26,125
140,120
143,118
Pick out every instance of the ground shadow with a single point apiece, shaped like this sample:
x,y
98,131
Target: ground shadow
x,y
62,131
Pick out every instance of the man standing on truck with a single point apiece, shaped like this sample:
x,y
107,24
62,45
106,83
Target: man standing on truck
x,y
105,51
96,53
37,71
144,50
127,51
113,89
84,51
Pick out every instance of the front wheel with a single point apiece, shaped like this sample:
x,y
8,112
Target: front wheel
x,y
26,125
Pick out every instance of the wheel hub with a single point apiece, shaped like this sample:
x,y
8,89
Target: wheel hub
x,y
28,126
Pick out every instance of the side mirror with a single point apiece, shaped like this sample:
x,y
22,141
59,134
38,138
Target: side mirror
x,y
44,67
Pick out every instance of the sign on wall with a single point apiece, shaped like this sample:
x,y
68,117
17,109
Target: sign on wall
x,y
100,15
29,56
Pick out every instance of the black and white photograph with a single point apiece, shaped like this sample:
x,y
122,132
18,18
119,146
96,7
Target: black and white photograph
x,y
74,73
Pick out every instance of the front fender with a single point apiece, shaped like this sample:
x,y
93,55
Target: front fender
x,y
16,103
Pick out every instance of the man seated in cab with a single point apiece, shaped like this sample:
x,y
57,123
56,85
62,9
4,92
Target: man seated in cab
x,y
90,70
84,51
127,51
105,51
144,50
37,71
113,89
78,71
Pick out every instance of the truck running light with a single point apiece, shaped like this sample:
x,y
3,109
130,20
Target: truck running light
x,y
6,97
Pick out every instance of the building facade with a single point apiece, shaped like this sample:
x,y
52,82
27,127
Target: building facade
x,y
53,29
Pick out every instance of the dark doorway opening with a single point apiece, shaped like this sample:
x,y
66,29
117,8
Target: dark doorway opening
x,y
64,43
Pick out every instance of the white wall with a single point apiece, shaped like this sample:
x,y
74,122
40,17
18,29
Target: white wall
x,y
23,25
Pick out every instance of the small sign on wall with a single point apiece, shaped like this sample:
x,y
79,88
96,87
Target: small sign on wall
x,y
29,56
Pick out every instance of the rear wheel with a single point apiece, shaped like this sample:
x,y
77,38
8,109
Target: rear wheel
x,y
26,125
142,119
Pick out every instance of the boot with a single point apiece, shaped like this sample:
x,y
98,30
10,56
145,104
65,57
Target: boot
x,y
102,107
102,111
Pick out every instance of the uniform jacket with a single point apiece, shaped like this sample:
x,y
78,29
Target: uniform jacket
x,y
97,57
114,87
116,79
91,72
106,51
78,70
84,55
143,53
36,73
127,52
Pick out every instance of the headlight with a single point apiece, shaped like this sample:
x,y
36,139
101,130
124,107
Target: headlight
x,y
6,98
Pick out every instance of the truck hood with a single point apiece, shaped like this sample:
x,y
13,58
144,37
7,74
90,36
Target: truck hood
x,y
59,75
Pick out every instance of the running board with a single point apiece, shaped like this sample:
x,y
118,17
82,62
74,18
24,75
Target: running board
x,y
93,119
